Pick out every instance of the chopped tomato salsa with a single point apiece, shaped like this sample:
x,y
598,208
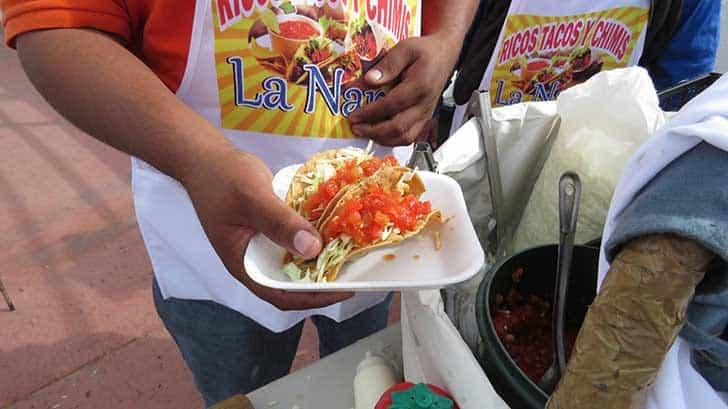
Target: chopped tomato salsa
x,y
297,30
318,55
364,218
538,65
523,324
346,175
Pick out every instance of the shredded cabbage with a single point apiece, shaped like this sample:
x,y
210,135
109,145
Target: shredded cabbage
x,y
295,273
332,254
402,185
323,172
388,230
326,169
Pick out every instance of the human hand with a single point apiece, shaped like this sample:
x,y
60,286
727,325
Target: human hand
x,y
234,199
418,69
231,190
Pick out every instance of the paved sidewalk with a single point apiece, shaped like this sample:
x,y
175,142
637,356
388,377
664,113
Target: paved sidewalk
x,y
85,334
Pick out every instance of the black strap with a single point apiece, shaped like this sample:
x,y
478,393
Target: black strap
x,y
475,58
663,23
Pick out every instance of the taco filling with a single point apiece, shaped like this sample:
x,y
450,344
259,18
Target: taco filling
x,y
334,30
316,51
546,75
349,62
373,213
328,180
580,58
363,38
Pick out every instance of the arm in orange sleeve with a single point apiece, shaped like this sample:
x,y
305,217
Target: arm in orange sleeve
x,y
438,15
22,16
430,20
105,90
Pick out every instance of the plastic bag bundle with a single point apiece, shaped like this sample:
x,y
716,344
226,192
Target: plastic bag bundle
x,y
603,122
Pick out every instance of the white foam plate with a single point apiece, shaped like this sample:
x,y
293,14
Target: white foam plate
x,y
417,264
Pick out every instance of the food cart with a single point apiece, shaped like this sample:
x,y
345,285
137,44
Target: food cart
x,y
434,343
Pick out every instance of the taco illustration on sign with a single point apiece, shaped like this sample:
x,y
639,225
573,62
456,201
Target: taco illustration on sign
x,y
349,62
333,29
316,51
286,37
363,39
585,63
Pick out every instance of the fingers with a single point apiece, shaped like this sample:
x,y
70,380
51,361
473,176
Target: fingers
x,y
401,130
406,94
283,300
284,226
391,65
430,134
296,301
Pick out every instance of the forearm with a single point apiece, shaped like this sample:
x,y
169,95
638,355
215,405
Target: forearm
x,y
105,90
632,324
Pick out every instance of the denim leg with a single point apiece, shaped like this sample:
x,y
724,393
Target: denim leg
x,y
336,335
227,352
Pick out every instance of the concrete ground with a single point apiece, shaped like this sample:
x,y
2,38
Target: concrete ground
x,y
85,333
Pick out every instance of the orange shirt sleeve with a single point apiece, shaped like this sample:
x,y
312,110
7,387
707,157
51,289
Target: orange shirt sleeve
x,y
430,17
22,16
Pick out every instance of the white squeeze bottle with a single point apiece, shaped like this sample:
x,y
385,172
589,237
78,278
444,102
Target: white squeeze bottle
x,y
374,375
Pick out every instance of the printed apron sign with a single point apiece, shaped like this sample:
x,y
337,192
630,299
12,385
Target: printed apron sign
x,y
288,67
540,56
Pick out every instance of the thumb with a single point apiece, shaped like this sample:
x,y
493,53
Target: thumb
x,y
390,66
284,226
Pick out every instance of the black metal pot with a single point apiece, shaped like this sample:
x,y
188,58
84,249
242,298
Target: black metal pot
x,y
539,264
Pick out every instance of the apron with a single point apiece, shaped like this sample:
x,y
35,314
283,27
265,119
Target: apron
x,y
277,95
546,47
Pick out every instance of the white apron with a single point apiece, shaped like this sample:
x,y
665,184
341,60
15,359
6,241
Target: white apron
x,y
242,86
704,119
547,46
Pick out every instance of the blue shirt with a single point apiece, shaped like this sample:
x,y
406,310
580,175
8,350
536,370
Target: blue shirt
x,y
692,50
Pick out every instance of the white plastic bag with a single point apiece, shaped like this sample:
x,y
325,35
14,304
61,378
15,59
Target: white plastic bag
x,y
434,352
603,122
522,134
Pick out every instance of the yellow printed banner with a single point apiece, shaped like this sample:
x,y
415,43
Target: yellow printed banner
x,y
289,67
540,56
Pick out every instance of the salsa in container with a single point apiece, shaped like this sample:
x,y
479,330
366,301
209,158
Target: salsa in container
x,y
523,324
297,30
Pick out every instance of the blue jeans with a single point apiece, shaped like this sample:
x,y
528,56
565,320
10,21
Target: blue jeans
x,y
230,354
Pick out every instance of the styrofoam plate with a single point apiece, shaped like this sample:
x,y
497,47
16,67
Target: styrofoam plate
x,y
412,264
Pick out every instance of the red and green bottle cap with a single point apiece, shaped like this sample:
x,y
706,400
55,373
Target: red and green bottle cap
x,y
419,396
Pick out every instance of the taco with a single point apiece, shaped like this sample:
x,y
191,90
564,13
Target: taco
x,y
559,61
546,75
317,51
321,180
333,29
580,58
380,210
363,39
337,12
349,62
